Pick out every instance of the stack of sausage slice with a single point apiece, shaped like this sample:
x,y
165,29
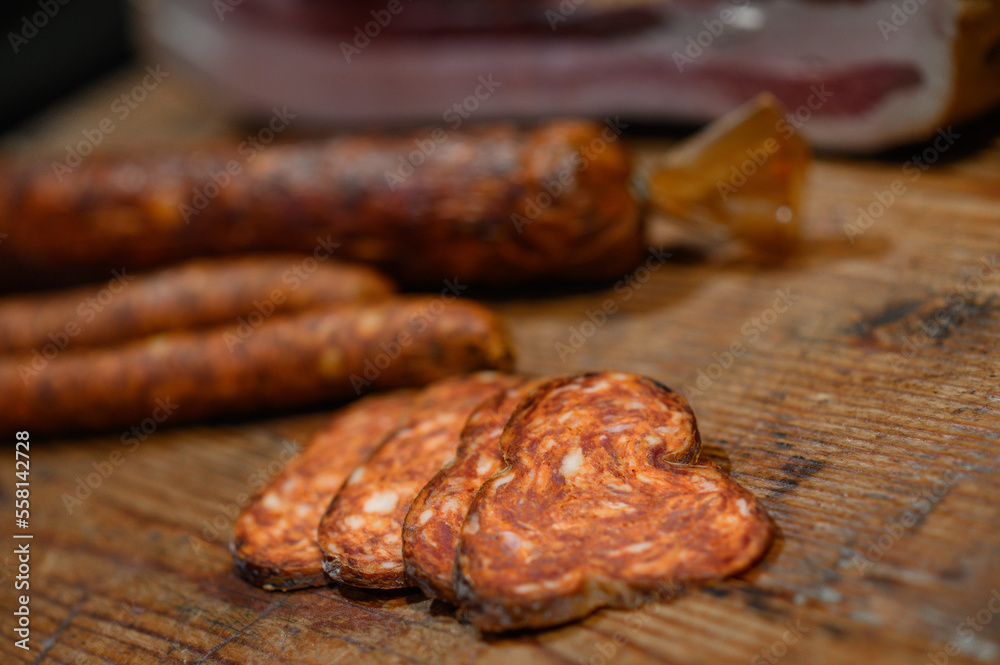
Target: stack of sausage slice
x,y
525,502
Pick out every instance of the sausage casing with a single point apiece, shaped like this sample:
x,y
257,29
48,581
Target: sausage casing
x,y
493,204
292,360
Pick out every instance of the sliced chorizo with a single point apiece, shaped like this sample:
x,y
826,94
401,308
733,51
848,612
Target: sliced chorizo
x,y
274,539
602,502
361,532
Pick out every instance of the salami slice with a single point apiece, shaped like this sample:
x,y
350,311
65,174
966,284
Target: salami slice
x,y
361,532
432,525
274,540
601,503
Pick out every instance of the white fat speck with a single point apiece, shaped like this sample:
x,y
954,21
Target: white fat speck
x,y
526,588
665,431
303,510
644,478
495,433
564,417
484,465
451,506
354,522
568,387
743,506
381,502
597,387
614,429
503,480
571,463
635,404
619,376
638,547
705,485
289,486
389,565
510,540
356,475
426,515
472,524
271,501
653,440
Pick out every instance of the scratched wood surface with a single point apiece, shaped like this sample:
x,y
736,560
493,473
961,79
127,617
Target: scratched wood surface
x,y
861,408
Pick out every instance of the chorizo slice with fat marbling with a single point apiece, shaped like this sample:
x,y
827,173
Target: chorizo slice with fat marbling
x,y
274,539
361,532
432,525
601,503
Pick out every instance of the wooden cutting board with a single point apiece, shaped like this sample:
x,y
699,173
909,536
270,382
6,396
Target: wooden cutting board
x,y
854,390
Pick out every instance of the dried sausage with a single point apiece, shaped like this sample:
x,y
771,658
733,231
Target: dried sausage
x,y
195,294
293,360
493,204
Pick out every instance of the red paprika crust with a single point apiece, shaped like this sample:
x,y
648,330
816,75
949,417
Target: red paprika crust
x,y
492,205
294,360
196,294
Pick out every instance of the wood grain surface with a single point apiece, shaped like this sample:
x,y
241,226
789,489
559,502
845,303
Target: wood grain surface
x,y
861,407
